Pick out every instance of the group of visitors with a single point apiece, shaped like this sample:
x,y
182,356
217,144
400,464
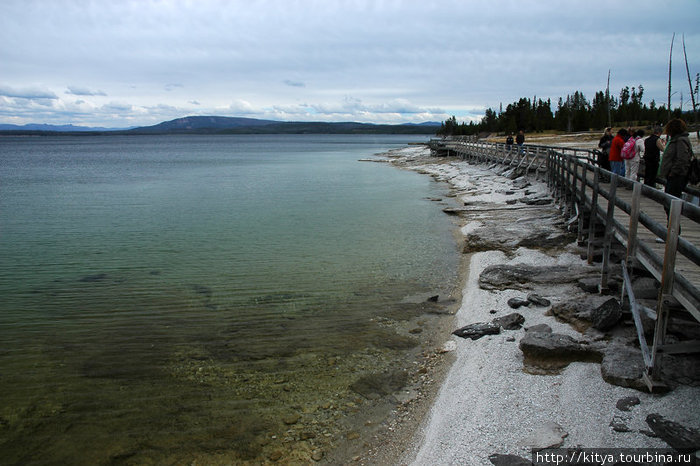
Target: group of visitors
x,y
519,139
669,159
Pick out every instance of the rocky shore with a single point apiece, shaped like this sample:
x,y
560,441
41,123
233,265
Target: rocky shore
x,y
541,360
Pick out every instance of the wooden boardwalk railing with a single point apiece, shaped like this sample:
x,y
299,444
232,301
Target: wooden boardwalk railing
x,y
631,213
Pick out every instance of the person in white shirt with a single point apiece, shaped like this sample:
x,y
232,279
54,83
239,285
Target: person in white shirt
x,y
632,165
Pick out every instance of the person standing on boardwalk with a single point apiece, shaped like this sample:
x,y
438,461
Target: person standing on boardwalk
x,y
653,145
617,165
604,146
632,165
675,162
520,140
509,142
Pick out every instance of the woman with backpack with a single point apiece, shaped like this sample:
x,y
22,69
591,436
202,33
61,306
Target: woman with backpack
x,y
632,152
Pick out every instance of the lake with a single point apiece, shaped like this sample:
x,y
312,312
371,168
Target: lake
x,y
219,299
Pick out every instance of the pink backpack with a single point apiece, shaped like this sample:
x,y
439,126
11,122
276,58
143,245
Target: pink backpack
x,y
628,151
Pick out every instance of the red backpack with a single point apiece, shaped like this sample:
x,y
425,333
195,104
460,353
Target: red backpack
x,y
628,151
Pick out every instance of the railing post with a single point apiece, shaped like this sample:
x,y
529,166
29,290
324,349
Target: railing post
x,y
582,204
667,277
632,239
607,242
593,215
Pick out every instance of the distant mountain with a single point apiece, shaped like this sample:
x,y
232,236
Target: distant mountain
x,y
55,128
233,125
202,124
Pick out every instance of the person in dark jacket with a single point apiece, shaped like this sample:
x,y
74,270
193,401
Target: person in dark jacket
x,y
653,145
509,141
520,140
604,146
675,162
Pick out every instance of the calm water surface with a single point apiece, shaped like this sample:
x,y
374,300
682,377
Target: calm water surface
x,y
170,299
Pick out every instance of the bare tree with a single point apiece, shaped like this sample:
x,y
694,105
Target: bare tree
x,y
670,59
690,83
607,100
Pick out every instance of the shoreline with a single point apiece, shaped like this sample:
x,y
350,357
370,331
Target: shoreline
x,y
485,403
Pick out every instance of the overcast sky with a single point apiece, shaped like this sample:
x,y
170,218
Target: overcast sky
x,y
119,63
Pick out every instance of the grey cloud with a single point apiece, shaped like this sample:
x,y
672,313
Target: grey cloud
x,y
84,91
291,83
27,93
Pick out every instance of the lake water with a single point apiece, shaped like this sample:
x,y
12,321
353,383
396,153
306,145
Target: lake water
x,y
170,299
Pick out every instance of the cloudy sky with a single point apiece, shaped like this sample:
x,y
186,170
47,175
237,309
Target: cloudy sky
x,y
119,63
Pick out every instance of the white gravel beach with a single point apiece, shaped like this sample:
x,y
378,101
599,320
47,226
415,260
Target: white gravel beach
x,y
487,404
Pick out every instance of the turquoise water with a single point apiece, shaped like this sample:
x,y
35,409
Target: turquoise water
x,y
169,299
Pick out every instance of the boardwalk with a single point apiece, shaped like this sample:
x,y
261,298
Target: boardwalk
x,y
631,213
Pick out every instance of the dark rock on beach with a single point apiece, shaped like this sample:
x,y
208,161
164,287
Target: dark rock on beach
x,y
510,322
538,300
673,433
605,316
549,352
623,366
619,425
626,403
522,277
544,328
478,330
515,303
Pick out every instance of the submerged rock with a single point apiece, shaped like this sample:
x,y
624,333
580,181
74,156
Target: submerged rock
x,y
378,385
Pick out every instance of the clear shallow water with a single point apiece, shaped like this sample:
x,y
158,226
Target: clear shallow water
x,y
211,298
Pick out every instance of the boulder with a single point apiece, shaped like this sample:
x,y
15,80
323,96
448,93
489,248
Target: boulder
x,y
546,353
553,345
605,316
673,433
577,310
478,330
623,366
510,322
522,277
539,328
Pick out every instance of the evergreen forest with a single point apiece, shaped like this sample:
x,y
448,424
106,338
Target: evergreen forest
x,y
572,114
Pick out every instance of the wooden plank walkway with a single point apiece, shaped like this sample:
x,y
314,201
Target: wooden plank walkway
x,y
690,231
557,165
